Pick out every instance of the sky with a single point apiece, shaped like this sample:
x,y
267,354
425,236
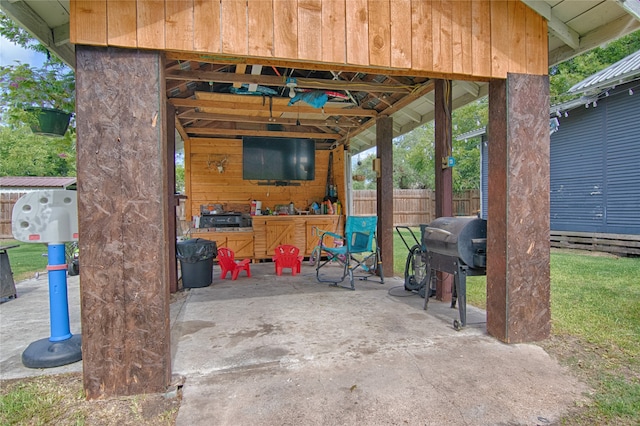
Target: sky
x,y
10,52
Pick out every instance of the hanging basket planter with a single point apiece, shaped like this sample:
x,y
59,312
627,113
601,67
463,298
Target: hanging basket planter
x,y
51,122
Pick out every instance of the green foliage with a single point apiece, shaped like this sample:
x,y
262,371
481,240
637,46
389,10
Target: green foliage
x,y
563,76
23,153
19,36
23,86
180,178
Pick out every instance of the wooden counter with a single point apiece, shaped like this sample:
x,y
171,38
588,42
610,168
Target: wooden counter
x,y
268,232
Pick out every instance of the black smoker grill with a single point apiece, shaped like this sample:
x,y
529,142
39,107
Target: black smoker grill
x,y
458,246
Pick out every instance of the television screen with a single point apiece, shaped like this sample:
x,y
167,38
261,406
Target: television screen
x,y
278,158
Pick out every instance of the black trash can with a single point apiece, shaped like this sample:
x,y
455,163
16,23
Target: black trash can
x,y
196,261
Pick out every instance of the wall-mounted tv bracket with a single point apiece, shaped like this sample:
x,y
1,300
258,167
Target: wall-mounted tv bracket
x,y
51,217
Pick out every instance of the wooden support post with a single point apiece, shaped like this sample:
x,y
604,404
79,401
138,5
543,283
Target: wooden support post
x,y
518,283
444,180
123,205
174,201
384,189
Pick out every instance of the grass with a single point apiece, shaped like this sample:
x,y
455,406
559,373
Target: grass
x,y
27,259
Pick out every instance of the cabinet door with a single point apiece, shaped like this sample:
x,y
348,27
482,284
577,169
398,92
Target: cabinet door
x,y
241,243
315,227
279,232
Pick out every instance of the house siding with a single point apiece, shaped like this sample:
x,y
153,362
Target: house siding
x,y
595,167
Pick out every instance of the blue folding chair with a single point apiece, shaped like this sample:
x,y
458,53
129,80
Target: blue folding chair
x,y
359,252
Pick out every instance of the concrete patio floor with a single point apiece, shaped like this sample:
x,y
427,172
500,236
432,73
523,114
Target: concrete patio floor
x,y
283,350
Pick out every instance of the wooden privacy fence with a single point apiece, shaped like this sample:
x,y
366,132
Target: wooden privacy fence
x,y
7,200
411,207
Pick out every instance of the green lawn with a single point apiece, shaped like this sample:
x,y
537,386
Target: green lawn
x,y
27,259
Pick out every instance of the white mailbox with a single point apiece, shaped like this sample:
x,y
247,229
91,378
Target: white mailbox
x,y
46,216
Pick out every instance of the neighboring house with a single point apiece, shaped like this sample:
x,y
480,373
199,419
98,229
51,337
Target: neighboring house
x,y
595,159
595,154
12,188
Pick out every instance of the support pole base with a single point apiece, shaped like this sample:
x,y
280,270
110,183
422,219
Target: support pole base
x,y
46,354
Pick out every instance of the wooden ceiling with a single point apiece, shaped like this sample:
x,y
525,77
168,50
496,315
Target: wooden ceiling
x,y
235,100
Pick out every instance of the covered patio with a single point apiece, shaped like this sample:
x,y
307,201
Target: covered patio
x,y
288,350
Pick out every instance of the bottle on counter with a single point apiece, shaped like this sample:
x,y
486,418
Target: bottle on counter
x,y
338,208
292,209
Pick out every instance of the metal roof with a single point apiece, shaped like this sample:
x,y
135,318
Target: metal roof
x,y
624,70
36,182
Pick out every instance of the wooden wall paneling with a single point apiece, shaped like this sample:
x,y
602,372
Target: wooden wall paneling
x,y
90,23
260,18
421,35
178,24
334,38
500,38
357,20
462,37
481,37
285,28
234,27
121,23
536,41
400,16
310,29
379,33
517,30
187,178
442,36
150,17
206,26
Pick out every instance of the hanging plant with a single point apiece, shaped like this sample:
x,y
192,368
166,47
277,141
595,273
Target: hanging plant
x,y
39,97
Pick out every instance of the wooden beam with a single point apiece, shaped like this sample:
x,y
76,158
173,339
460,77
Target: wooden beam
x,y
443,173
210,131
384,191
266,120
620,27
203,103
304,83
22,14
423,90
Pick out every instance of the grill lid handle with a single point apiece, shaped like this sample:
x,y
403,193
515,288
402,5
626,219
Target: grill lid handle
x,y
444,231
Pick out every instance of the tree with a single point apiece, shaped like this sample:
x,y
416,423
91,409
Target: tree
x,y
563,76
23,153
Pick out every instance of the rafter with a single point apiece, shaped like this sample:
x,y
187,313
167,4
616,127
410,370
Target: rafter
x,y
204,116
210,131
328,111
301,82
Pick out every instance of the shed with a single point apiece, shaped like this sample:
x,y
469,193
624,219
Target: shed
x,y
14,187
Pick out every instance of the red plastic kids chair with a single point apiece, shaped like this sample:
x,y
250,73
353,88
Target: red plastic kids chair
x,y
287,256
226,260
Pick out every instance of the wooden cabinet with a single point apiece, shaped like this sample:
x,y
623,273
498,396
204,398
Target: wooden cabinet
x,y
241,242
270,231
316,225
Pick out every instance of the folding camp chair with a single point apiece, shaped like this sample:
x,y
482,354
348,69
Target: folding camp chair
x,y
358,253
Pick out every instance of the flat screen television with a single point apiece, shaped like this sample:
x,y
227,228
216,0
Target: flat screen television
x,y
278,159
